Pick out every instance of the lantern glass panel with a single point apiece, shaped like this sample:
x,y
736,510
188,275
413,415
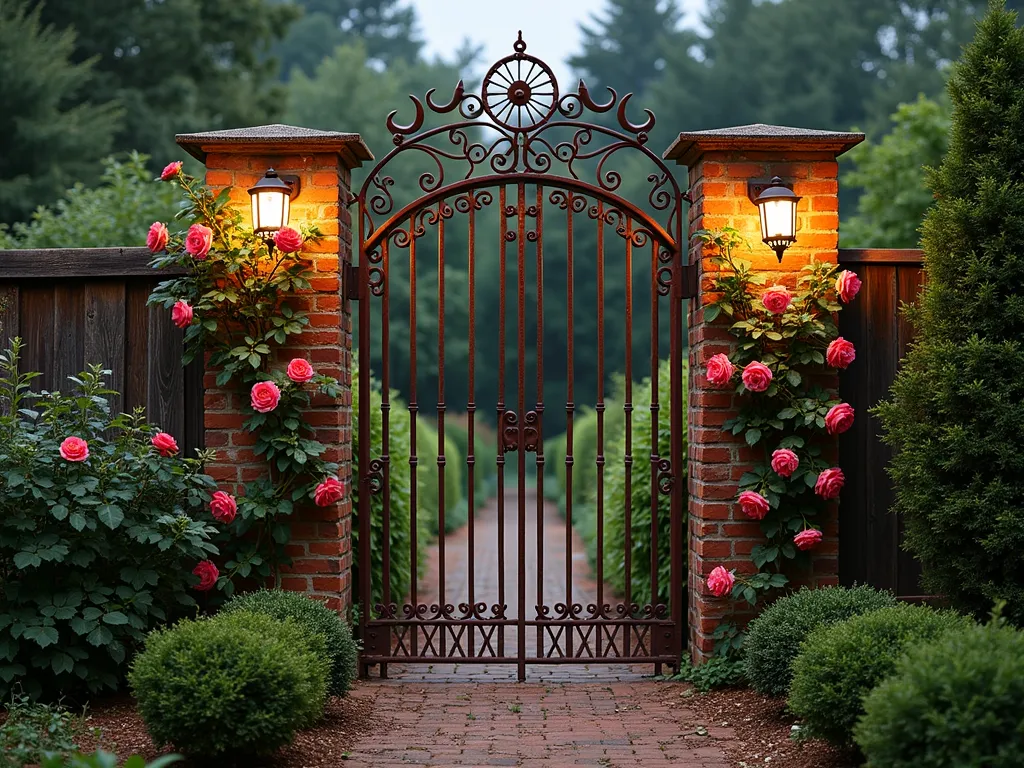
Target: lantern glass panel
x,y
778,219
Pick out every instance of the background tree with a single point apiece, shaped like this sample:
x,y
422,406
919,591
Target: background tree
x,y
890,173
176,66
52,132
386,28
956,411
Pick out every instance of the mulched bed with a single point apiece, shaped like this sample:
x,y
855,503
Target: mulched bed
x,y
345,721
762,729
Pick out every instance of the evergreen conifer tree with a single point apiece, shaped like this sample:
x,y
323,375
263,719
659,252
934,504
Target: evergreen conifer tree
x,y
956,414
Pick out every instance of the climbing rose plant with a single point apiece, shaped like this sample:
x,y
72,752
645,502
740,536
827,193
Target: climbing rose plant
x,y
235,303
786,340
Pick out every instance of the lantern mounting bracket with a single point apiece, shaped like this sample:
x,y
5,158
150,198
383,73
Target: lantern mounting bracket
x,y
756,186
293,181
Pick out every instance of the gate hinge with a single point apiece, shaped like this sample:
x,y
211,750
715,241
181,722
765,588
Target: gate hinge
x,y
350,281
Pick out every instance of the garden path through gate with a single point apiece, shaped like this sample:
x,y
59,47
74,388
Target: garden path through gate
x,y
521,144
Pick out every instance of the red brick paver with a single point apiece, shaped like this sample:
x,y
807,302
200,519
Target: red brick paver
x,y
625,725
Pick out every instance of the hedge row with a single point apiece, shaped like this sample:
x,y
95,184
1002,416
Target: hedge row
x,y
584,485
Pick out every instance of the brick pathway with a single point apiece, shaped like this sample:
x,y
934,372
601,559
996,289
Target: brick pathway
x,y
477,715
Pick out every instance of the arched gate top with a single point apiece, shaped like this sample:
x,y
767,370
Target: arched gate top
x,y
520,127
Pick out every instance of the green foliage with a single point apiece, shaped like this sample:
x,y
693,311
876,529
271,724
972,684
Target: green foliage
x,y
232,685
485,453
314,617
176,66
93,553
102,759
54,127
717,672
116,212
32,731
957,702
400,540
427,496
956,410
774,637
839,664
639,500
891,173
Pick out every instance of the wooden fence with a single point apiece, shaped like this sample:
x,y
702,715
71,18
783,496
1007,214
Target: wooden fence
x,y
869,535
81,306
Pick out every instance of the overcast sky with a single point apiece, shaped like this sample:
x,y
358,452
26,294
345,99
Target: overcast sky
x,y
550,27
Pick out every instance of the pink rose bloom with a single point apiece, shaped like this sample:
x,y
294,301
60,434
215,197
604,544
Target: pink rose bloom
x,y
720,582
757,376
720,370
264,396
776,299
754,505
840,353
208,575
839,418
164,443
287,240
156,240
223,507
300,371
181,314
74,449
198,241
170,170
807,539
785,462
830,483
847,286
328,492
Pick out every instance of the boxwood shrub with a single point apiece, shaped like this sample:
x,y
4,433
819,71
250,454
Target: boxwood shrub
x,y
339,646
840,664
427,496
956,702
95,549
237,684
774,638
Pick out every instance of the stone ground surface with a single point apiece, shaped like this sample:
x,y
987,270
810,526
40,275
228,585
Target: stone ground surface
x,y
478,715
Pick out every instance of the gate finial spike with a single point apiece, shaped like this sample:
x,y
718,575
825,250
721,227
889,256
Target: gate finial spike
x,y
519,45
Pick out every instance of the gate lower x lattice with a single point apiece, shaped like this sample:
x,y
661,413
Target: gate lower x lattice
x,y
519,163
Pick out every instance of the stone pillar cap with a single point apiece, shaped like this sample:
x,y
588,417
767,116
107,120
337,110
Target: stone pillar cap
x,y
276,138
688,146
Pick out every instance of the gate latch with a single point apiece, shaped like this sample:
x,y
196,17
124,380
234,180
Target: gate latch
x,y
516,436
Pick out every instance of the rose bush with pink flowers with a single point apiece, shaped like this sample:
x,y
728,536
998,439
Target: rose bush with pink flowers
x,y
101,525
236,303
787,343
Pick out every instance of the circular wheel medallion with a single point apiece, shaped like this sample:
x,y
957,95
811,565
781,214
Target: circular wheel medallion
x,y
520,92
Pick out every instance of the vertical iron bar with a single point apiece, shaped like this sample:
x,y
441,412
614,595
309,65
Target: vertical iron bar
x,y
363,427
600,423
539,461
385,415
521,407
440,419
627,406
471,411
502,195
655,407
413,460
570,408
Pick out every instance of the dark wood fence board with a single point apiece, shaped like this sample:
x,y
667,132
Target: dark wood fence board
x,y
870,534
75,307
10,307
104,337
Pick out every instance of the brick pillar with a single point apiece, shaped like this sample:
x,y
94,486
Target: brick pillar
x,y
236,159
720,163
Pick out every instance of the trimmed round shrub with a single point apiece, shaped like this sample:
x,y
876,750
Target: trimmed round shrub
x,y
840,664
774,637
339,647
957,702
238,683
427,488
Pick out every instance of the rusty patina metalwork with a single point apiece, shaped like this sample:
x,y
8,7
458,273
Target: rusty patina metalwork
x,y
541,153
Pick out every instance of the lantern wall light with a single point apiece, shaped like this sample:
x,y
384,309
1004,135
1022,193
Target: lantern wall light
x,y
776,205
271,204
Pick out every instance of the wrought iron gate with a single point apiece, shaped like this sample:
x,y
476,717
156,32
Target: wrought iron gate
x,y
506,150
